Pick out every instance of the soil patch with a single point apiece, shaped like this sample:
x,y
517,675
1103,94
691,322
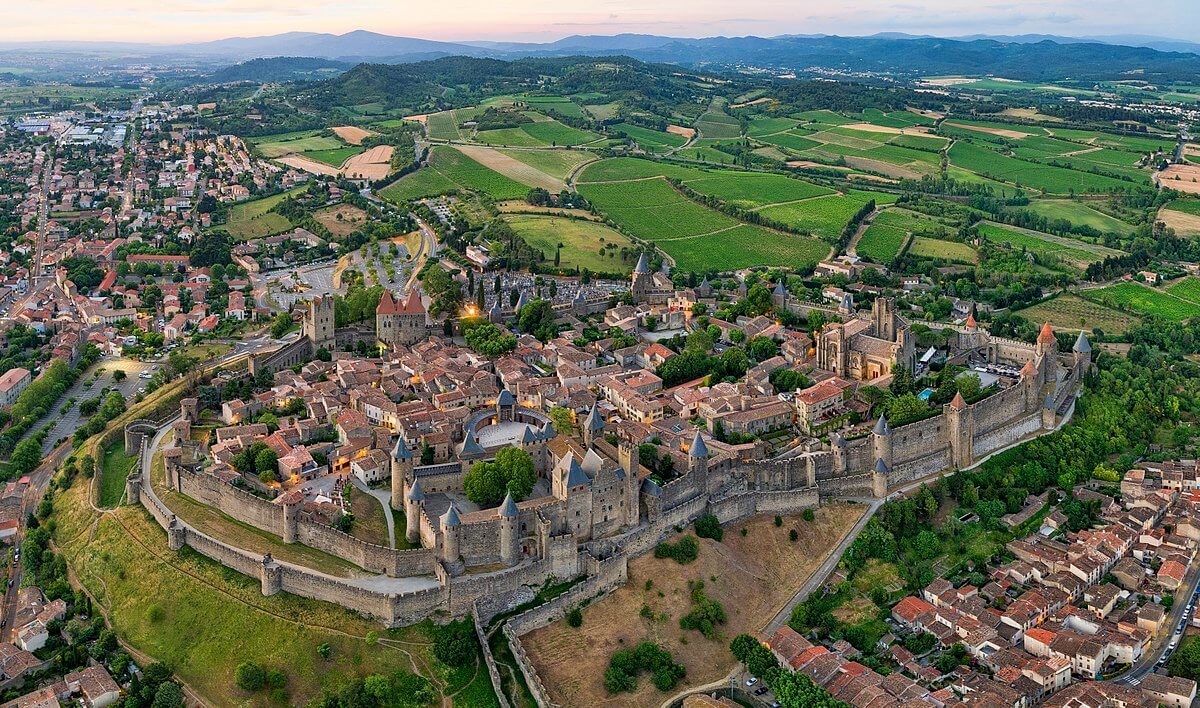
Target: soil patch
x,y
353,135
755,102
810,163
352,219
752,576
681,130
1181,178
872,128
1184,224
373,164
308,165
881,167
1001,132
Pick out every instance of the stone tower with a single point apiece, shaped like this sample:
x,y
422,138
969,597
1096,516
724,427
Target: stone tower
x,y
319,323
593,426
838,445
509,513
451,536
960,419
881,437
627,458
402,469
698,462
1082,354
1030,387
883,316
291,503
414,500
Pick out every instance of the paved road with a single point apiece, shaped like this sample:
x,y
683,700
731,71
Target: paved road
x,y
1145,665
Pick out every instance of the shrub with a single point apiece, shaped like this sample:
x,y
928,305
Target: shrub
x,y
249,676
454,644
155,613
705,614
276,679
683,552
574,618
624,666
708,526
778,520
324,650
793,535
809,515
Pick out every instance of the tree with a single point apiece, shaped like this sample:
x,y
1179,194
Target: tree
x,y
212,248
249,676
281,325
426,454
119,375
762,348
562,420
512,472
537,318
168,695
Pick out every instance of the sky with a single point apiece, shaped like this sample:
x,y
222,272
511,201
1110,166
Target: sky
x,y
545,20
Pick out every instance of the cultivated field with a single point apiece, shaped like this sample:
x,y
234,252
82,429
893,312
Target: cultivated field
x,y
1071,312
882,243
752,576
646,138
1181,178
1140,298
352,135
273,146
1045,178
308,164
585,244
334,157
1078,213
373,164
924,247
1071,252
448,171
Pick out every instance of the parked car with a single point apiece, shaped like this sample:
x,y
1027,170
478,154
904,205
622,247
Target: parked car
x,y
761,690
751,681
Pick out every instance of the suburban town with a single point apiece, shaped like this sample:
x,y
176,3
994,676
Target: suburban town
x,y
360,370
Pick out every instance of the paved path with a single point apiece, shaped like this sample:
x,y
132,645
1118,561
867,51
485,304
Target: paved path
x,y
385,499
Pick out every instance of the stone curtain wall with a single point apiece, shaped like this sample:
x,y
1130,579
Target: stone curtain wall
x,y
1007,434
243,506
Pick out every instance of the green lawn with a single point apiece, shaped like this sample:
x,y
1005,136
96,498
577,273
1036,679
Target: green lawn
x,y
924,247
1078,213
254,219
289,143
586,244
114,469
208,619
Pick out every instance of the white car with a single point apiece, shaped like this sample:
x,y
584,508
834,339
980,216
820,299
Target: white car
x,y
751,681
141,390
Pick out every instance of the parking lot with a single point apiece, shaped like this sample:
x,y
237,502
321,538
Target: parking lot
x,y
89,386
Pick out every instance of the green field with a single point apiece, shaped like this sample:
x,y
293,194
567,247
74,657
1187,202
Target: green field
x,y
1186,288
555,104
881,243
824,217
718,125
334,157
1078,213
823,116
754,189
791,140
454,170
925,247
289,143
620,169
698,238
1139,298
706,154
207,619
556,163
1071,312
760,126
254,219
1186,206
581,241
1046,178
114,468
1076,254
649,140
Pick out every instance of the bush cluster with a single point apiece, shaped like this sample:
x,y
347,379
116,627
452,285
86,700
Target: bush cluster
x,y
683,552
626,664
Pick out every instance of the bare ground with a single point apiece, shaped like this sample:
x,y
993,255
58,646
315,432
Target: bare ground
x,y
1181,178
680,130
353,135
1001,132
308,165
1184,224
373,164
752,576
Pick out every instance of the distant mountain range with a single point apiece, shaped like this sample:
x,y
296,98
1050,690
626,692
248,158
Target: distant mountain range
x,y
1030,57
